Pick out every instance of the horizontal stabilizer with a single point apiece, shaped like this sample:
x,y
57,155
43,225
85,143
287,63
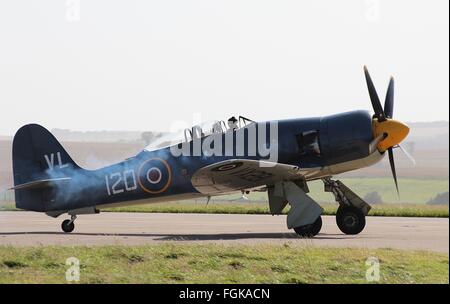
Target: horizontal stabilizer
x,y
39,184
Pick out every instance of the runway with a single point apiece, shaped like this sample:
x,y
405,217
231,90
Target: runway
x,y
31,229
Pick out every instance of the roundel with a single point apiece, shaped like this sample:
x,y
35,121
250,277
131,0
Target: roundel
x,y
155,176
227,167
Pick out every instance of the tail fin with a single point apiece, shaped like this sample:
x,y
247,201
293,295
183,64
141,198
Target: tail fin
x,y
38,159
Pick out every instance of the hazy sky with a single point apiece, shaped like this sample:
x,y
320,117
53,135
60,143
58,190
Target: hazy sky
x,y
140,65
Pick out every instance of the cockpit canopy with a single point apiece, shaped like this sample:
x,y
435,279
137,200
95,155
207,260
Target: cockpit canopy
x,y
197,131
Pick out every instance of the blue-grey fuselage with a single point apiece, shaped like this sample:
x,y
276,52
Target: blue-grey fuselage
x,y
153,176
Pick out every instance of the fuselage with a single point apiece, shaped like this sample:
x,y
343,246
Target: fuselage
x,y
320,147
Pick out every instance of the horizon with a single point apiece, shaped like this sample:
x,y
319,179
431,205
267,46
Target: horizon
x,y
168,131
108,65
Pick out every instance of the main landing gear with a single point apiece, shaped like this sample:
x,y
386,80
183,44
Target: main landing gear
x,y
69,225
304,216
352,211
311,230
350,220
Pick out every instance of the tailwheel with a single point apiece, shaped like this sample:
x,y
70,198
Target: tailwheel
x,y
350,220
311,230
68,225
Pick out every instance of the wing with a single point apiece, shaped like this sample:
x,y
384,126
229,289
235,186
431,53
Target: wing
x,y
234,175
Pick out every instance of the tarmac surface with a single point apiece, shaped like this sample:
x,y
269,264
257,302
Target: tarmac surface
x,y
110,228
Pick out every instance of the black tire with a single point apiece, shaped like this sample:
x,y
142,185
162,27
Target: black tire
x,y
67,226
311,230
350,220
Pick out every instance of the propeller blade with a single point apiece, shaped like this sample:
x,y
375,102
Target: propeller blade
x,y
389,101
392,163
376,104
409,156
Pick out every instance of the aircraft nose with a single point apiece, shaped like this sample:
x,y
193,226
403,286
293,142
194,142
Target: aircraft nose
x,y
394,131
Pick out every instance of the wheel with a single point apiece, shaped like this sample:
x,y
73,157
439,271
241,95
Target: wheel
x,y
350,220
67,226
311,230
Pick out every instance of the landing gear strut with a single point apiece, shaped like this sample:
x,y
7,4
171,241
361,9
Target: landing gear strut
x,y
69,225
352,211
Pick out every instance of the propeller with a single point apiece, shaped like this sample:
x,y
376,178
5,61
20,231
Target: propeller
x,y
388,132
376,104
394,172
409,156
389,101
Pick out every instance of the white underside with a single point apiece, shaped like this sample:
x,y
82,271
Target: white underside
x,y
169,198
327,171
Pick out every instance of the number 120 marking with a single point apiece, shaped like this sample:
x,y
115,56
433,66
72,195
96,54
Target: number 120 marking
x,y
117,183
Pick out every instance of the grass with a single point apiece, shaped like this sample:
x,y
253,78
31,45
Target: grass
x,y
227,207
8,206
170,263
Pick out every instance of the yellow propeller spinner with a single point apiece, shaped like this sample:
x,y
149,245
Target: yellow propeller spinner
x,y
394,132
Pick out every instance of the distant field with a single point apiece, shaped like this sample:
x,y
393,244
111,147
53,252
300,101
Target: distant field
x,y
412,190
431,154
414,195
412,202
170,263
